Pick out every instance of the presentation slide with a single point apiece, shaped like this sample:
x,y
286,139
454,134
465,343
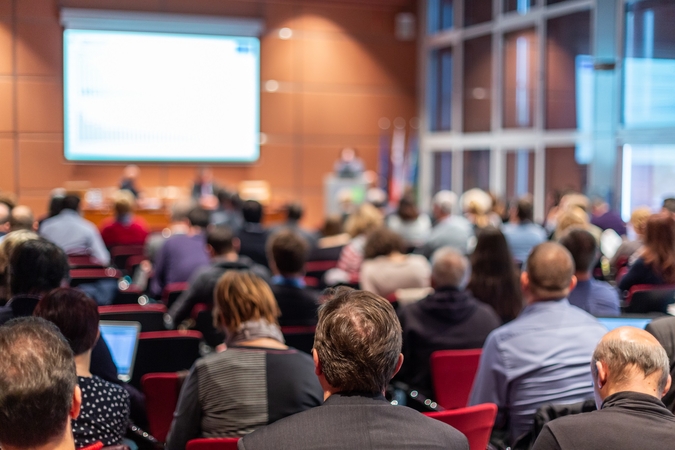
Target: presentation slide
x,y
131,96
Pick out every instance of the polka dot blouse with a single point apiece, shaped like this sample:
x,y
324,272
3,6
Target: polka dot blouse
x,y
104,414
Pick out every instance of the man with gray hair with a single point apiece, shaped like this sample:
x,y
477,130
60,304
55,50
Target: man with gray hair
x,y
630,375
449,230
449,319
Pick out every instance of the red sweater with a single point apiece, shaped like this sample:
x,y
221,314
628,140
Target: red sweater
x,y
118,233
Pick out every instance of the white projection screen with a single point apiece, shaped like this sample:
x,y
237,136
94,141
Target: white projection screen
x,y
155,95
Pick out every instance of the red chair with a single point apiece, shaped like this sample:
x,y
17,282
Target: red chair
x,y
151,317
452,375
133,262
475,422
213,444
171,293
92,275
300,337
129,296
161,397
83,262
119,254
646,298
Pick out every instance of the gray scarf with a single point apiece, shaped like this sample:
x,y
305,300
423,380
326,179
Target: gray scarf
x,y
254,329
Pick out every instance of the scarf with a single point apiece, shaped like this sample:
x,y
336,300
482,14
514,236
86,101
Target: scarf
x,y
254,329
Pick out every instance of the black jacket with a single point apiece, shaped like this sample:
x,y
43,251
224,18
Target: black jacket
x,y
663,329
298,305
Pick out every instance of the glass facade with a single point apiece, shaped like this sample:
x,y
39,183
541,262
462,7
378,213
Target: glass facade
x,y
476,169
440,15
440,78
520,78
519,6
476,106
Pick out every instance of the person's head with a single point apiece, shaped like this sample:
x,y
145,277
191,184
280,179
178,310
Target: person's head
x,y
383,242
583,248
599,206
492,254
221,240
252,211
524,210
36,266
22,218
131,172
71,202
198,217
449,268
443,203
575,200
549,273
204,175
638,220
123,202
39,394
366,218
659,245
348,154
180,210
357,345
629,359
74,313
332,226
407,208
288,252
294,212
241,296
4,217
669,205
56,202
571,218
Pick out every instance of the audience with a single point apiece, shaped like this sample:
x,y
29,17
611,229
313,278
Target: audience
x,y
521,233
331,240
22,218
624,254
630,375
543,355
253,236
593,296
604,218
477,207
294,213
668,205
356,352
287,255
656,264
125,228
494,275
450,318
409,223
5,212
223,248
182,254
449,230
74,234
257,380
663,329
6,248
39,394
104,413
387,268
228,212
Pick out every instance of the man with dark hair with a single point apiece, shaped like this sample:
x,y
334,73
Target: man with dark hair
x,y
74,234
521,233
182,254
449,319
229,211
605,218
591,295
357,350
288,253
630,375
223,248
294,213
253,236
669,205
542,356
39,394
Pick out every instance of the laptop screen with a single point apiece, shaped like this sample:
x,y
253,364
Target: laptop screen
x,y
615,322
122,340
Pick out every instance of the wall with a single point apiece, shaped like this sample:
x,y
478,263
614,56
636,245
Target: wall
x,y
341,71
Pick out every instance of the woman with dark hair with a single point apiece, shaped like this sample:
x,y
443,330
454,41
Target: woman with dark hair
x,y
656,265
104,415
412,225
255,381
494,276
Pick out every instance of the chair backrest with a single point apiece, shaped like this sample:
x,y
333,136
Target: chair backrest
x,y
128,296
83,262
119,254
151,317
213,444
161,397
475,422
452,375
300,337
645,298
165,351
133,261
92,275
171,292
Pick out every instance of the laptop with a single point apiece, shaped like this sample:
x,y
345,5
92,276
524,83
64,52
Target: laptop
x,y
122,340
615,322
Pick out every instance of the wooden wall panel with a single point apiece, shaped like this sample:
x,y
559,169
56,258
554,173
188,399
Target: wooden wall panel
x,y
339,73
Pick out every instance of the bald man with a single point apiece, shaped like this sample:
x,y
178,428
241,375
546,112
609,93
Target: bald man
x,y
630,375
543,355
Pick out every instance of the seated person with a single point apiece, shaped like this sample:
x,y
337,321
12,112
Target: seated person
x,y
224,250
449,230
449,319
294,213
409,223
625,253
287,255
257,380
387,268
521,233
331,240
229,211
39,394
125,228
7,245
104,414
630,375
253,236
591,295
22,218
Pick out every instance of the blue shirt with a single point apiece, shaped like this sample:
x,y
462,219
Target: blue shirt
x,y
596,297
542,356
522,238
75,235
453,231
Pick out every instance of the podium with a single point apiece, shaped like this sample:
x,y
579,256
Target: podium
x,y
338,191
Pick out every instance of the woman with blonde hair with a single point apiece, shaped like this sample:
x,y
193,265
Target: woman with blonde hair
x,y
255,380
